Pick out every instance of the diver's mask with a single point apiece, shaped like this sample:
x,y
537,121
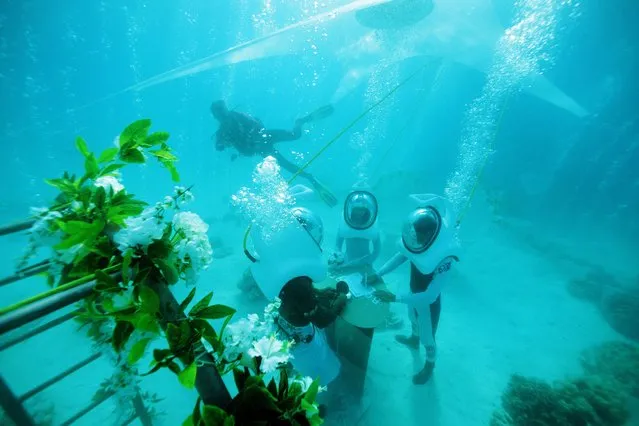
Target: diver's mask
x,y
360,210
421,229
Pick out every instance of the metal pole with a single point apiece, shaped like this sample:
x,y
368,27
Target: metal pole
x,y
13,407
28,272
43,307
16,227
87,409
140,410
40,329
208,382
52,381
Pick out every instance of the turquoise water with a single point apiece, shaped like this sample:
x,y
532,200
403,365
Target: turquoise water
x,y
523,113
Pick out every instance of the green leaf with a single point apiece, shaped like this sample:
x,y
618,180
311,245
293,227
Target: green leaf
x,y
137,350
214,416
164,154
63,185
173,336
146,322
161,354
186,333
119,213
240,376
155,368
189,421
126,265
175,176
81,145
311,393
203,303
187,376
156,138
259,398
160,249
99,198
189,298
174,367
135,132
107,155
215,312
149,300
197,414
79,232
111,168
207,331
121,334
169,272
132,155
105,282
312,413
283,388
272,388
91,166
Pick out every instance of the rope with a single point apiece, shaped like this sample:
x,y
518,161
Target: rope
x,y
332,141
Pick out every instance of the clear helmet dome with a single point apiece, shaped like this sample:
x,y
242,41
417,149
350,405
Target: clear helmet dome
x,y
311,222
421,229
360,210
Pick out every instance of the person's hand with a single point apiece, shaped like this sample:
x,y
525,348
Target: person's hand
x,y
336,258
385,296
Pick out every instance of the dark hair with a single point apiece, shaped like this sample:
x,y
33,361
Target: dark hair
x,y
298,299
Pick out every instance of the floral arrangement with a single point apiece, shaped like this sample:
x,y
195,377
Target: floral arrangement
x,y
97,230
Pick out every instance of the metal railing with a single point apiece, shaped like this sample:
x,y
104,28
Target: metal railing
x,y
208,383
9,401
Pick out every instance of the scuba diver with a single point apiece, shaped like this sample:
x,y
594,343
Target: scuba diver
x,y
429,243
359,235
249,137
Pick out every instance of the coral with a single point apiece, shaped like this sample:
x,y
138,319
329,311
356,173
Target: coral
x,y
614,360
621,310
587,401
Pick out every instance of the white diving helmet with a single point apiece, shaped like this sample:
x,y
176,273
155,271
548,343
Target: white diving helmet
x,y
294,251
360,210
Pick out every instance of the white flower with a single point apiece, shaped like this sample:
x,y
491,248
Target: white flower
x,y
237,339
141,230
107,182
189,223
272,351
194,249
183,195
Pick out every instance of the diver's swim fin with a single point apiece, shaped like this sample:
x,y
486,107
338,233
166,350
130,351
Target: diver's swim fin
x,y
318,114
325,194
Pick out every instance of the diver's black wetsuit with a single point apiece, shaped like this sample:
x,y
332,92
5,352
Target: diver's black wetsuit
x,y
249,136
418,284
